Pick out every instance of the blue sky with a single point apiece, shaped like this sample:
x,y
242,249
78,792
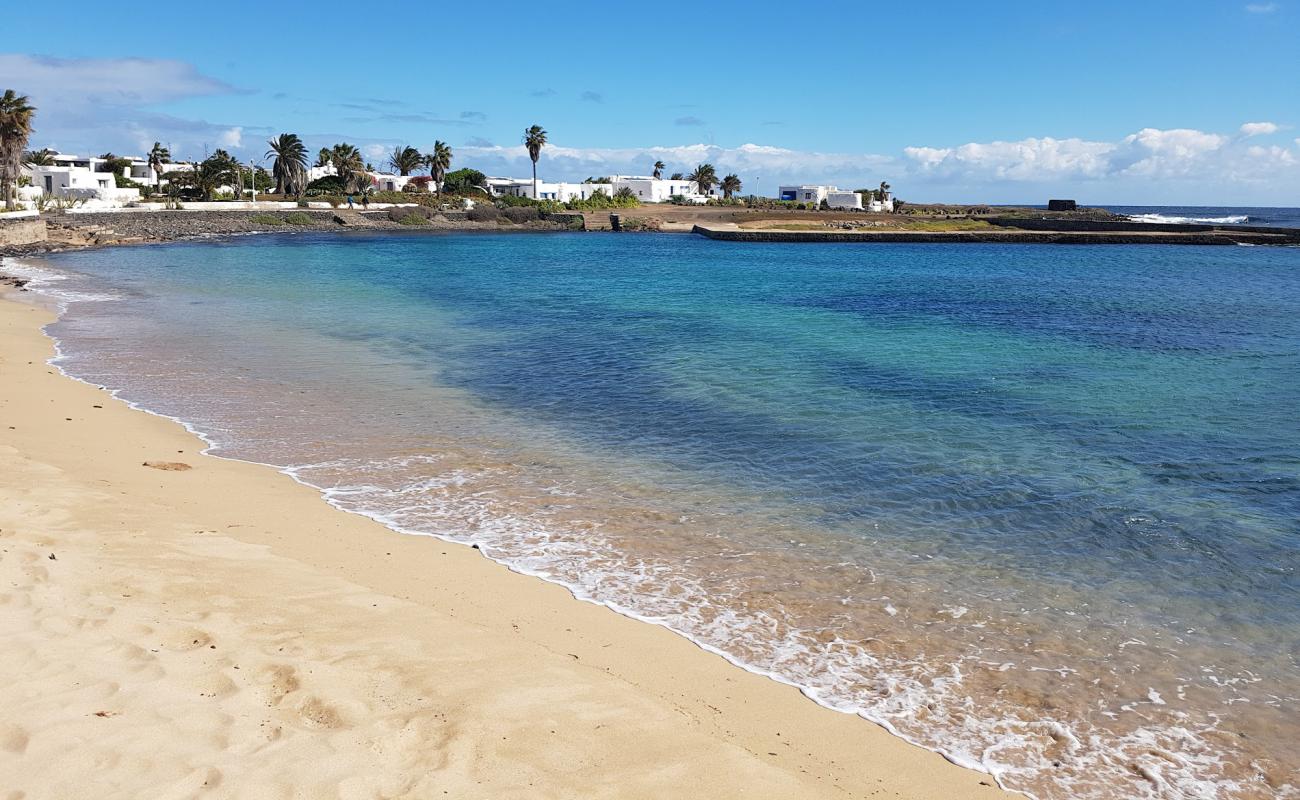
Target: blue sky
x,y
1152,102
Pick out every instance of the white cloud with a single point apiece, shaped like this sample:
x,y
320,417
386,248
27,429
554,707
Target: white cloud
x,y
231,137
1261,8
1258,128
99,104
1026,160
1177,163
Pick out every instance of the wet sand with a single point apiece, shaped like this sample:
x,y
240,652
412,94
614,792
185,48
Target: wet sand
x,y
202,627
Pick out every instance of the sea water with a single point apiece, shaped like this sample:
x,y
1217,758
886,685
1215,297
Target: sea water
x,y
1035,507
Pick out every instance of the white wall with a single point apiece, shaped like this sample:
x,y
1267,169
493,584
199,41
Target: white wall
x,y
844,200
653,190
57,180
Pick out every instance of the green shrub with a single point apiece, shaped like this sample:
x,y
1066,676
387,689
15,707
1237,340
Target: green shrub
x,y
299,218
267,219
462,180
484,212
330,184
639,224
510,200
412,218
521,214
599,200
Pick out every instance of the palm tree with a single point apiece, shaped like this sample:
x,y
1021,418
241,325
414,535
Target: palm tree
x,y
324,157
158,156
15,129
704,177
405,160
218,169
659,170
730,185
535,140
39,158
439,162
290,165
350,166
884,191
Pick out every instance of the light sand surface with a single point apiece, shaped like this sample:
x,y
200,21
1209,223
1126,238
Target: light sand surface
x,y
220,631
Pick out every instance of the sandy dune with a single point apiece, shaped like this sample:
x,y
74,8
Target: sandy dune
x,y
220,631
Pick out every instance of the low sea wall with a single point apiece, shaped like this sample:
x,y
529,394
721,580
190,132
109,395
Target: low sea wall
x,y
24,230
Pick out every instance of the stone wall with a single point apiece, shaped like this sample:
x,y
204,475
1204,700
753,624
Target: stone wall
x,y
21,231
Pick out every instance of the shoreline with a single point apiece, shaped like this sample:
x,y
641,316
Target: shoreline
x,y
80,231
730,718
1285,236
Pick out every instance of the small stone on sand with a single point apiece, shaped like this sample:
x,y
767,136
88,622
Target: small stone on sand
x,y
170,466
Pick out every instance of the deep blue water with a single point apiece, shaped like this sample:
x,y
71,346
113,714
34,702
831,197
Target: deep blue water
x,y
987,455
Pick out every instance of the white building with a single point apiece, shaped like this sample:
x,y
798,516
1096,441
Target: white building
x,y
316,173
804,193
546,190
833,197
381,181
88,177
654,190
645,189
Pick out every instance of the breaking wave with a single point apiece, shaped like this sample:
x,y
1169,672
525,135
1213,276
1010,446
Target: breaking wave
x,y
1236,219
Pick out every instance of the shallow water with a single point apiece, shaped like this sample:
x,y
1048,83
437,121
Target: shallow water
x,y
1037,507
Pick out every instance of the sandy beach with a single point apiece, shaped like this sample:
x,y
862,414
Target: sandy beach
x,y
178,625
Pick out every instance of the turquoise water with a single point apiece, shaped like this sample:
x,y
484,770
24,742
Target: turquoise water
x,y
1037,507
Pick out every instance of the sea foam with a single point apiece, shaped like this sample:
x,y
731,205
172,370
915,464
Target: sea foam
x,y
1236,219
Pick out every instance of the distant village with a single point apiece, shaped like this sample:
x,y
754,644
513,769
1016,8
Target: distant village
x,y
109,182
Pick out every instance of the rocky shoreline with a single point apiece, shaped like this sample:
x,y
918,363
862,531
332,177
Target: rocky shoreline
x,y
75,231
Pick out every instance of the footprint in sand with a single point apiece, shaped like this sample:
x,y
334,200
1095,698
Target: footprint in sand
x,y
316,713
13,739
278,680
187,639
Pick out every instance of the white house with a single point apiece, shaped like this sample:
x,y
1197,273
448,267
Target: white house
x,y
76,178
382,181
654,190
546,190
644,188
834,198
316,173
88,177
804,193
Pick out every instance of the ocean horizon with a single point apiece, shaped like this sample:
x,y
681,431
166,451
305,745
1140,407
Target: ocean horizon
x,y
1034,507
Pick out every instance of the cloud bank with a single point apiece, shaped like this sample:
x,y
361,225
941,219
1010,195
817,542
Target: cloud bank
x,y
1177,165
1174,159
108,102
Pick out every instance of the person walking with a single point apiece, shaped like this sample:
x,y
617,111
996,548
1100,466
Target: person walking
x,y
350,206
365,201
